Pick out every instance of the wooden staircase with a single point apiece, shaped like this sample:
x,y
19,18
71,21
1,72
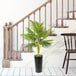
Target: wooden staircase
x,y
13,45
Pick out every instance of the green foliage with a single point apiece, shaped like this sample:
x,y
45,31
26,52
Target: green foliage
x,y
36,34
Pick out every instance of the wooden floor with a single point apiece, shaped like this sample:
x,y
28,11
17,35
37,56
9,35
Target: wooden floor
x,y
50,71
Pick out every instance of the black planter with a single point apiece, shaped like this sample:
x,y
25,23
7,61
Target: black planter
x,y
38,63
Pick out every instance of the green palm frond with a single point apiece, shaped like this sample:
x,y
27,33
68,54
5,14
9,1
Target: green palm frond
x,y
30,31
36,27
44,34
30,45
37,35
33,26
46,43
29,37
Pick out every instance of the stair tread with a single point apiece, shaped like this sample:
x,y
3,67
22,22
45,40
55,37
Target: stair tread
x,y
72,11
27,51
61,26
15,59
52,34
67,18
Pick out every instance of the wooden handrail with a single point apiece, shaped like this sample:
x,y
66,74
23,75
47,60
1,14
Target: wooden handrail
x,y
31,13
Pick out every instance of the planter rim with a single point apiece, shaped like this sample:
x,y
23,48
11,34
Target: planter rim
x,y
38,56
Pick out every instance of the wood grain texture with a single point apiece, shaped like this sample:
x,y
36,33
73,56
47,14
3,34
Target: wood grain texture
x,y
30,71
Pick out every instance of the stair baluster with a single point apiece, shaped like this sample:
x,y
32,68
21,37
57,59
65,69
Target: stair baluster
x,y
67,9
73,9
45,17
56,13
34,16
62,15
39,15
17,43
28,27
23,37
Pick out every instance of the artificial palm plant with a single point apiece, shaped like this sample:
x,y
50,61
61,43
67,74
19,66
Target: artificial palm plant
x,y
37,36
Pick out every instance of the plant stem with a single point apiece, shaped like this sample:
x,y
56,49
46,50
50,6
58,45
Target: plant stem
x,y
38,48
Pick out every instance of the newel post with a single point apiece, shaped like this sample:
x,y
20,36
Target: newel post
x,y
10,38
6,62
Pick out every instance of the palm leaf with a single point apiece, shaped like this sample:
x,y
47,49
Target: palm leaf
x,y
46,43
33,26
37,35
30,31
36,27
29,37
30,45
44,34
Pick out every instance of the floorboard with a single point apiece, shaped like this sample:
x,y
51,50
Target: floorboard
x,y
58,71
4,72
22,72
1,70
52,71
16,72
30,71
37,74
46,72
10,72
